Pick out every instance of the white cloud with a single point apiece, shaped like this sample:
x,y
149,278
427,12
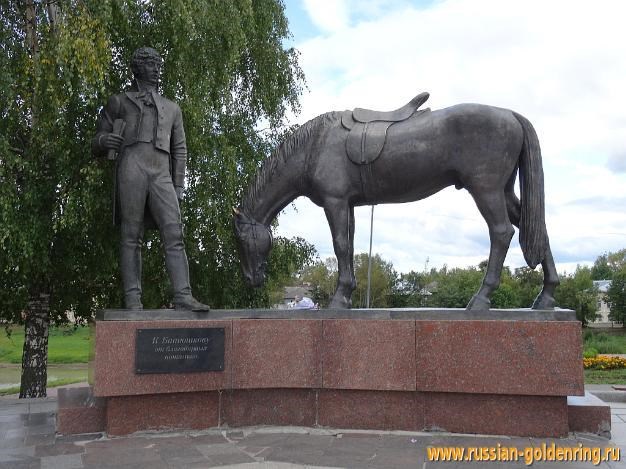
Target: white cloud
x,y
560,63
328,15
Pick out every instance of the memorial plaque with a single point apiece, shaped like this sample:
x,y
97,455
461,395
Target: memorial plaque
x,y
179,350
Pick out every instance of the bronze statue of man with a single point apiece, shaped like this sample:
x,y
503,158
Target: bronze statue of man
x,y
146,131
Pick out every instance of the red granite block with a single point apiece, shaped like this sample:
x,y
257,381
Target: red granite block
x,y
589,414
537,416
282,353
114,362
184,411
500,357
78,411
376,410
269,407
369,355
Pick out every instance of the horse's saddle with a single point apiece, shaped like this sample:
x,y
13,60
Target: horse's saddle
x,y
368,128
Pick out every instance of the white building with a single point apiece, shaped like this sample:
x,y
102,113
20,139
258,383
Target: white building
x,y
603,308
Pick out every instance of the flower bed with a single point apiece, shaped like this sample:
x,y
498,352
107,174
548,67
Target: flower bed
x,y
604,362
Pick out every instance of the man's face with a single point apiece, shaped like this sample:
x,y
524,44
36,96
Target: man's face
x,y
149,71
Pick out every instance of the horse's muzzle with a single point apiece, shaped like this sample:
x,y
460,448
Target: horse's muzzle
x,y
255,281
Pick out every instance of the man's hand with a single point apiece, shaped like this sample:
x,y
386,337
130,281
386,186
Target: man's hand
x,y
111,141
179,192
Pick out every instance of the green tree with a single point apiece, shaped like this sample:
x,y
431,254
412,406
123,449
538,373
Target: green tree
x,y
383,278
529,283
607,264
577,292
227,68
616,296
456,287
411,290
507,295
288,259
322,276
601,269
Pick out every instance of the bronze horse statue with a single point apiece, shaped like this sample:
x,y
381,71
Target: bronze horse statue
x,y
340,160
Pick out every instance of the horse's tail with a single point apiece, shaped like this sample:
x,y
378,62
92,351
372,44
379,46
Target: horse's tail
x,y
533,237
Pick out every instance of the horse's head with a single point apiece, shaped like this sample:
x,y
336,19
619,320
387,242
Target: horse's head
x,y
254,241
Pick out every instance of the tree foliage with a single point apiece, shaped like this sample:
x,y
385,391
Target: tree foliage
x,y
60,60
455,287
607,264
225,65
616,296
383,278
322,276
411,290
578,293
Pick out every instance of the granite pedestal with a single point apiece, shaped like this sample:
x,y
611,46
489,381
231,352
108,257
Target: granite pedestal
x,y
503,372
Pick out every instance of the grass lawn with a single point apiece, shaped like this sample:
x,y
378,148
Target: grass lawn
x,y
605,376
65,345
611,342
51,384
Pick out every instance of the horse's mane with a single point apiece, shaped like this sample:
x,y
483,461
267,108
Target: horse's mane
x,y
282,153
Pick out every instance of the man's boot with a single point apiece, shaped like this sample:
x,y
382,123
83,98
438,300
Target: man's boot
x,y
178,268
130,264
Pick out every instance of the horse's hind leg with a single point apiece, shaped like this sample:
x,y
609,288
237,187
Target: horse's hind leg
x,y
340,217
545,299
492,206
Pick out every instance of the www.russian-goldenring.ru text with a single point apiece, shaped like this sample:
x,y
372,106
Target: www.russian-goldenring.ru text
x,y
529,455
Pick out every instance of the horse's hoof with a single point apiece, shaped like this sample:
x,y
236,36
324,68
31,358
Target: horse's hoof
x,y
544,302
478,303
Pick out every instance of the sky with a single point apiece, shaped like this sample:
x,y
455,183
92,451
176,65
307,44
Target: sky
x,y
560,63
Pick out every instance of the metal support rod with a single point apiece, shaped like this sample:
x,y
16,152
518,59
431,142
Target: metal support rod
x,y
369,261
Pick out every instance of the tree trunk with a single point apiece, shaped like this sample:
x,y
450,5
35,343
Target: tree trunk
x,y
35,353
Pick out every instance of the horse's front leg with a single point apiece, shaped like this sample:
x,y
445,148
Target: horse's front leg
x,y
340,216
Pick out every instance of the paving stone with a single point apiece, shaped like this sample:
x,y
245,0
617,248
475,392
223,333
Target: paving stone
x,y
407,442
64,461
49,406
366,447
120,443
12,443
134,465
292,454
217,449
12,454
393,459
120,456
263,439
34,440
41,418
255,452
11,410
29,464
208,439
45,429
38,447
58,449
229,459
178,453
9,422
15,433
